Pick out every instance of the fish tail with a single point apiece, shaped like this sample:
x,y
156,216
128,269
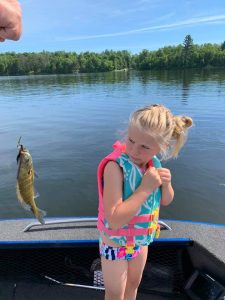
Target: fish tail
x,y
40,214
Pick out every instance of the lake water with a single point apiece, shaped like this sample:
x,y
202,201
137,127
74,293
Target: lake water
x,y
69,123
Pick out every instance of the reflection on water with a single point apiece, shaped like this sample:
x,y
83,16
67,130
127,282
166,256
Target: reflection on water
x,y
68,122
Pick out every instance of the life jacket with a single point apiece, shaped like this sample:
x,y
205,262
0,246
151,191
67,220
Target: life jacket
x,y
143,227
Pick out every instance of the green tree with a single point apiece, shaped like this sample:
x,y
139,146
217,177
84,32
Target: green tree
x,y
187,51
183,56
188,42
223,46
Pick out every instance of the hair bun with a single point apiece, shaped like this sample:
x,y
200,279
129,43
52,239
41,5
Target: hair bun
x,y
187,121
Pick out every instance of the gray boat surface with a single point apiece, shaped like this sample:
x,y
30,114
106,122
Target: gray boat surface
x,y
187,262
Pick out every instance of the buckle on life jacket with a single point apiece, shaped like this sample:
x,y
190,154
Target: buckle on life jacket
x,y
157,231
151,217
149,230
154,215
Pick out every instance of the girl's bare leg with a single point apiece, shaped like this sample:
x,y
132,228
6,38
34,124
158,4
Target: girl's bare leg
x,y
134,275
115,278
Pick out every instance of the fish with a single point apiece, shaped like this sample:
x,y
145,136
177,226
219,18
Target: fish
x,y
25,183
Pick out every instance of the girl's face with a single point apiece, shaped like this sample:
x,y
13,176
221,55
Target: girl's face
x,y
140,147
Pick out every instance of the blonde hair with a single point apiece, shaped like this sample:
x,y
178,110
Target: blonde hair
x,y
169,131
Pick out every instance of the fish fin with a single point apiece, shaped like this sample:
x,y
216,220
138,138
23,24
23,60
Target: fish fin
x,y
40,216
35,175
26,206
36,194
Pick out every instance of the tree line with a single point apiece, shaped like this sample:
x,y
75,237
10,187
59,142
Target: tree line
x,y
184,56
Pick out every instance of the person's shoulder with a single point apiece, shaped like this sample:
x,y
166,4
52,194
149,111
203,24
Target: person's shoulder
x,y
112,169
112,165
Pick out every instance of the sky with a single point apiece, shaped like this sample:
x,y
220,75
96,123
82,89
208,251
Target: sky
x,y
133,25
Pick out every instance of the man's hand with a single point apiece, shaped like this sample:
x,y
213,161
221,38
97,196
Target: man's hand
x,y
10,20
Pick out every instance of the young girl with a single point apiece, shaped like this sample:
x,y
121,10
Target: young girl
x,y
132,186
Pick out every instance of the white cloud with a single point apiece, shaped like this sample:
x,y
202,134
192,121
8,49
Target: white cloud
x,y
189,22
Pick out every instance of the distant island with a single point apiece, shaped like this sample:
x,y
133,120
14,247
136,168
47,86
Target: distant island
x,y
184,56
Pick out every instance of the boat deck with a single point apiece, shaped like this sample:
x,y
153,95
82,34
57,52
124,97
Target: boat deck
x,y
202,245
209,236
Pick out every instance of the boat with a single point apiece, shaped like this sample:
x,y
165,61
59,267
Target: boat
x,y
60,260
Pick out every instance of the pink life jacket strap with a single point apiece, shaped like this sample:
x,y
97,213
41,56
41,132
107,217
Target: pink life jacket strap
x,y
130,238
128,232
119,148
142,219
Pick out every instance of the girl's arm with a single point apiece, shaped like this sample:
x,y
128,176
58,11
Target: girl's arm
x,y
119,212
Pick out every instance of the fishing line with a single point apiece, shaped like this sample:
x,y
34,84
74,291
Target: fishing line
x,y
75,285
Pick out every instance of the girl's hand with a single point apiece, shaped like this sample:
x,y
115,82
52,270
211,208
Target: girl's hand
x,y
150,180
165,176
